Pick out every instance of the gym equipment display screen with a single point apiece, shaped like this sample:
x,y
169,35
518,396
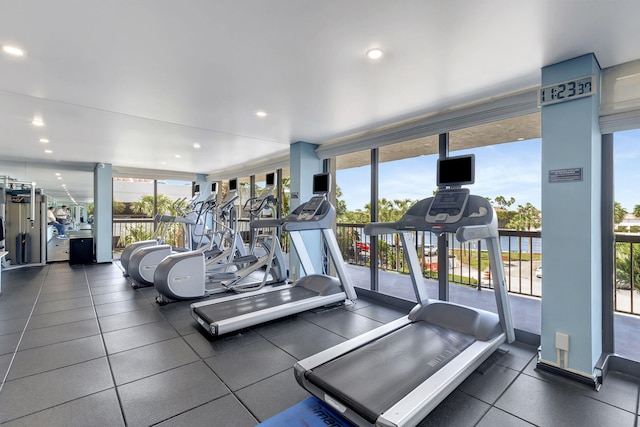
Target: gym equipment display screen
x,y
233,184
448,202
321,183
271,179
455,171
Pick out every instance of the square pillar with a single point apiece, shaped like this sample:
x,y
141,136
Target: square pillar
x,y
304,163
103,212
571,338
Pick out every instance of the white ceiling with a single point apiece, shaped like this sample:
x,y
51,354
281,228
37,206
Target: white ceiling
x,y
134,83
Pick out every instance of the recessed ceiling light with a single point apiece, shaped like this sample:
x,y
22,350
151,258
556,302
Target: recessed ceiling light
x,y
177,156
64,185
12,50
163,163
520,139
44,140
59,177
261,114
375,53
37,122
196,145
48,151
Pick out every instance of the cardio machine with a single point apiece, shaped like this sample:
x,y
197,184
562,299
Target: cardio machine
x,y
396,374
224,315
189,275
144,261
163,222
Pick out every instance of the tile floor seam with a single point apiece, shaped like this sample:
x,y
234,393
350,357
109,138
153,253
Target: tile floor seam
x,y
188,410
61,311
54,406
15,351
159,372
265,378
201,359
246,406
59,342
104,347
611,404
55,369
492,404
142,324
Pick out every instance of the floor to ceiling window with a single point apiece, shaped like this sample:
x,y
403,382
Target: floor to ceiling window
x,y
507,172
132,219
353,187
626,147
137,200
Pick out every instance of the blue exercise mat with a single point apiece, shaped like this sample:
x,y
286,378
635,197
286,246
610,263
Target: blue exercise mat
x,y
309,413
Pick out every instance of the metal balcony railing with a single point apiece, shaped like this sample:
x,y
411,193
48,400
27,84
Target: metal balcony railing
x,y
469,263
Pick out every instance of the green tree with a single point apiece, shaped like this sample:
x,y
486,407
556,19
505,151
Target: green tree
x,y
505,216
164,203
627,268
118,207
341,205
619,212
174,234
636,211
285,196
503,203
526,218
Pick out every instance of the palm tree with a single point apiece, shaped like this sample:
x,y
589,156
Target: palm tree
x,y
165,206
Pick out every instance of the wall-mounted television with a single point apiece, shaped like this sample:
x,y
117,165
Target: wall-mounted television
x,y
214,187
233,184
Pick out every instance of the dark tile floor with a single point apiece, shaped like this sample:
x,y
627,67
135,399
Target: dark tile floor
x,y
80,347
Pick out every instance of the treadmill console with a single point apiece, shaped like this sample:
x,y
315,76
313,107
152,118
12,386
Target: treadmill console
x,y
448,206
311,208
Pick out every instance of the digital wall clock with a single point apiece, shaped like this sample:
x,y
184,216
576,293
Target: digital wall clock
x,y
567,91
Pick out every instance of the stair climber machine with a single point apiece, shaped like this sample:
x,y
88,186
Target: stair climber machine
x,y
163,222
143,262
396,374
230,313
190,275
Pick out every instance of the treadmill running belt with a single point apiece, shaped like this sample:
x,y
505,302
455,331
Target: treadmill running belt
x,y
225,310
372,378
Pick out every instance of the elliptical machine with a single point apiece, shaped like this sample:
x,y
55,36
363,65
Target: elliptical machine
x,y
163,222
143,263
189,275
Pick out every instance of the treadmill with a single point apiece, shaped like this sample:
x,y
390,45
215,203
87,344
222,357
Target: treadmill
x,y
224,315
396,374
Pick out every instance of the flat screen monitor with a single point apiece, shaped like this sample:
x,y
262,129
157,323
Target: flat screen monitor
x,y
214,187
455,171
233,184
321,183
196,189
271,178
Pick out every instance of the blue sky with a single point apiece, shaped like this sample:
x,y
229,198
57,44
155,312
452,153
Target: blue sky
x,y
509,170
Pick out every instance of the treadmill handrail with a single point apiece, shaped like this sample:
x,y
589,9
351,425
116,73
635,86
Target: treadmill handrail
x,y
378,228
